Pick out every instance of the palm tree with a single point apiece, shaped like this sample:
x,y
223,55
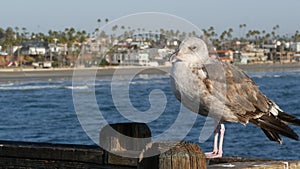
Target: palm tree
x,y
102,34
296,36
249,34
177,33
162,31
182,36
210,33
50,36
99,21
275,30
214,34
1,33
172,33
268,35
206,33
242,30
81,36
67,30
211,29
9,39
256,34
25,33
273,34
241,26
114,28
97,29
229,33
222,36
18,38
17,29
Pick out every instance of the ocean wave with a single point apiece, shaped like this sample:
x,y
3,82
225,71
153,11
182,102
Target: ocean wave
x,y
274,74
28,87
140,82
6,84
77,87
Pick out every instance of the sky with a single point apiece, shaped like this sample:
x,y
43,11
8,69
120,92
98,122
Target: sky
x,y
44,15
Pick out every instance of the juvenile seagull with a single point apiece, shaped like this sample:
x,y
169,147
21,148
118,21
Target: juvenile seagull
x,y
225,93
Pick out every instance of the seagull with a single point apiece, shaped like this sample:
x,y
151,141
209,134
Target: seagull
x,y
224,92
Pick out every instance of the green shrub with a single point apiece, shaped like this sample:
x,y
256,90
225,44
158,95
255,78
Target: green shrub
x,y
103,63
54,64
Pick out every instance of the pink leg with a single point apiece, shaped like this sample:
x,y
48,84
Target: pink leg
x,y
222,132
219,152
216,136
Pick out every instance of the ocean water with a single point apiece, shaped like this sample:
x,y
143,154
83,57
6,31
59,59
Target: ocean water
x,y
42,110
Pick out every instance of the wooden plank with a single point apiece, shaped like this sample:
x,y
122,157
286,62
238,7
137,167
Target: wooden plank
x,y
44,155
15,162
253,163
249,165
232,159
59,152
114,159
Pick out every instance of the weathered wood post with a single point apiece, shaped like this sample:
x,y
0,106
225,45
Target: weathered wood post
x,y
180,155
147,154
113,141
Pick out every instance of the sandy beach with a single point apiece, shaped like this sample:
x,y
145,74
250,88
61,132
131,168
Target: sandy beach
x,y
17,73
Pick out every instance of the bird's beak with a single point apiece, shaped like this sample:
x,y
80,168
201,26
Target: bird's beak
x,y
173,55
176,56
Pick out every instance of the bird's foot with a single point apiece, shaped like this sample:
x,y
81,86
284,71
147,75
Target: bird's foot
x,y
213,155
210,153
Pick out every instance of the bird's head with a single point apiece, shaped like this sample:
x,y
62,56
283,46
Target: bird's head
x,y
192,50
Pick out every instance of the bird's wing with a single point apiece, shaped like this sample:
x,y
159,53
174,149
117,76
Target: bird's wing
x,y
244,102
248,104
242,95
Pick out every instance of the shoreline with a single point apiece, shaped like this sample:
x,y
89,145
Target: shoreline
x,y
270,67
15,73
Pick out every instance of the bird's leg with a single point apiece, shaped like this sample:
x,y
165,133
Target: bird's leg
x,y
216,136
219,152
222,132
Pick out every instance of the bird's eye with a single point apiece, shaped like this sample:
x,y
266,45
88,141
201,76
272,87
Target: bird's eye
x,y
192,48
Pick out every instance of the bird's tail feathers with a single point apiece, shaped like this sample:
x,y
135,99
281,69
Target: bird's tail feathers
x,y
273,126
273,136
288,118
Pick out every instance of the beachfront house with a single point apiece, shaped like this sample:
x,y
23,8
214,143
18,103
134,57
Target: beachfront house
x,y
172,42
225,55
284,57
58,48
2,53
295,46
33,48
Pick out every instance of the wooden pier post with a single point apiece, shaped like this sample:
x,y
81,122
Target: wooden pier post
x,y
113,142
181,155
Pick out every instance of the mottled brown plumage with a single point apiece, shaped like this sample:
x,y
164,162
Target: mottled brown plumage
x,y
249,104
224,92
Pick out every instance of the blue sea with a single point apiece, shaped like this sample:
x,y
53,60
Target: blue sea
x,y
42,110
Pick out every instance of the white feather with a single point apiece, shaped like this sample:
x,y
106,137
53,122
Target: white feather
x,y
274,110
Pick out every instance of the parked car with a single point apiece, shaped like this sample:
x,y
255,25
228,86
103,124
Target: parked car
x,y
46,64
